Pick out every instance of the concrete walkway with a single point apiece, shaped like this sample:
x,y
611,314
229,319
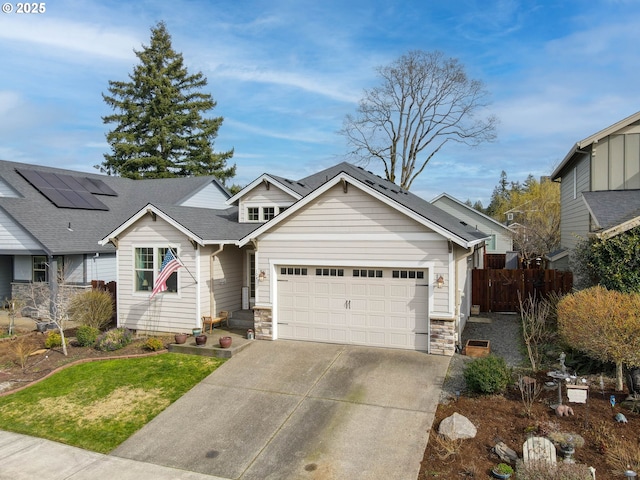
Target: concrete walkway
x,y
277,410
289,409
28,458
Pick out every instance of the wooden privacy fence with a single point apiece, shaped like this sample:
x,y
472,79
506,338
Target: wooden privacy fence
x,y
496,290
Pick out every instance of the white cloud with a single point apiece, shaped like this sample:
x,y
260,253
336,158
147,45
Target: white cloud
x,y
305,81
61,37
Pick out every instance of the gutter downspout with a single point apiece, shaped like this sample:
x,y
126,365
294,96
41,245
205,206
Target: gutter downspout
x,y
458,300
212,301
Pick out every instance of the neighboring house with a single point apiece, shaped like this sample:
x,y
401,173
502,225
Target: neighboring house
x,y
600,186
500,237
52,218
340,256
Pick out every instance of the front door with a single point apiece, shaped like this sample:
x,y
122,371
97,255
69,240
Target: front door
x,y
251,277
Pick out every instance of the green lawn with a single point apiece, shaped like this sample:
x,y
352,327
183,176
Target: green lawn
x,y
98,405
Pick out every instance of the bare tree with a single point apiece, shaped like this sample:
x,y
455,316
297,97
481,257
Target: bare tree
x,y
424,101
51,302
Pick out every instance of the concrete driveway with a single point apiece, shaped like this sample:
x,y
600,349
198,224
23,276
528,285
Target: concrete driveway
x,y
287,409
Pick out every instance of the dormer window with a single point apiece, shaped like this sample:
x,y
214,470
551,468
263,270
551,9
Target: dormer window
x,y
253,214
268,213
262,213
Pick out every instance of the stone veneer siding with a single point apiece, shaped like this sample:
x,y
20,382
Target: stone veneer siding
x,y
263,323
443,334
443,337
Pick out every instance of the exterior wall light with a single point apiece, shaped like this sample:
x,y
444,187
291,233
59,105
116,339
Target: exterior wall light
x,y
440,281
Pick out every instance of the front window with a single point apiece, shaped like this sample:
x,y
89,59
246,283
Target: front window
x,y
148,262
144,269
172,281
39,268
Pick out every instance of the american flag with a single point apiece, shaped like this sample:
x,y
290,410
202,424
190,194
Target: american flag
x,y
169,265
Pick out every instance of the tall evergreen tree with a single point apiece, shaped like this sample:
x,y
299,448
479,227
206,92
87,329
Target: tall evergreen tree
x,y
160,130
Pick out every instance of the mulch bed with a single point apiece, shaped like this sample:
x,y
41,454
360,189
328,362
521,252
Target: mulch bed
x,y
502,418
44,362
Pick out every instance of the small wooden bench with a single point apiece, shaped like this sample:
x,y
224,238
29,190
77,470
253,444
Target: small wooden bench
x,y
211,321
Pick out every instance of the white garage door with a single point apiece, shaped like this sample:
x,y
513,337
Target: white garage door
x,y
379,307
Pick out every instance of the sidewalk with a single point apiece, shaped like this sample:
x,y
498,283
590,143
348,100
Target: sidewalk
x,y
26,458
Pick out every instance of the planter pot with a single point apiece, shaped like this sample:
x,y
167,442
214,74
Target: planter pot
x,y
196,331
201,339
181,338
225,342
477,348
500,475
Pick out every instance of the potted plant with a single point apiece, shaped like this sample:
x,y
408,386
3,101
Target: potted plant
x,y
225,342
502,470
181,338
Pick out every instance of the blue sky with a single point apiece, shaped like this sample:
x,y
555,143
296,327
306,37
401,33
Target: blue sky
x,y
285,73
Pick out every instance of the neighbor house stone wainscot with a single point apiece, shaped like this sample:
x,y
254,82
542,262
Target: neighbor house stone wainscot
x,y
39,292
263,323
443,336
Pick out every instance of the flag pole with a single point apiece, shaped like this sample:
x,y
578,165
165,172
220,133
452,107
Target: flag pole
x,y
185,267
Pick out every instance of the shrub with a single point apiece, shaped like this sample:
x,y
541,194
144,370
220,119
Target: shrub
x,y
154,344
87,335
604,324
93,308
487,375
22,351
114,339
53,340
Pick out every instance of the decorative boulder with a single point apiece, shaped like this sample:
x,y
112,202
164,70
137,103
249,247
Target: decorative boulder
x,y
506,454
457,427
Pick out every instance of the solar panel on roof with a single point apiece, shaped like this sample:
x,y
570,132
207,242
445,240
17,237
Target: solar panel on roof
x,y
97,186
67,191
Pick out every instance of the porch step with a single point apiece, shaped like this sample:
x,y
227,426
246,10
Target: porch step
x,y
241,319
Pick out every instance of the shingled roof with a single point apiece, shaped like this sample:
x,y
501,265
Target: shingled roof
x,y
613,211
421,207
405,198
67,231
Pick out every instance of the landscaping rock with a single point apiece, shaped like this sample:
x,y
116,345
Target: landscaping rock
x,y
457,427
506,454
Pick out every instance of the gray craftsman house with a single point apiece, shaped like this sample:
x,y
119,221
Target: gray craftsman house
x,y
600,186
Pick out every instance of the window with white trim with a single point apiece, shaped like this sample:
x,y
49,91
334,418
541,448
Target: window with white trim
x,y
268,213
148,261
39,268
253,214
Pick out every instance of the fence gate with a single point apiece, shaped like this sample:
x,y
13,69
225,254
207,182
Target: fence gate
x,y
496,290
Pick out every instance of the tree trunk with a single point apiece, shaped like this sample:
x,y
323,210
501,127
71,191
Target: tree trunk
x,y
64,341
619,377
